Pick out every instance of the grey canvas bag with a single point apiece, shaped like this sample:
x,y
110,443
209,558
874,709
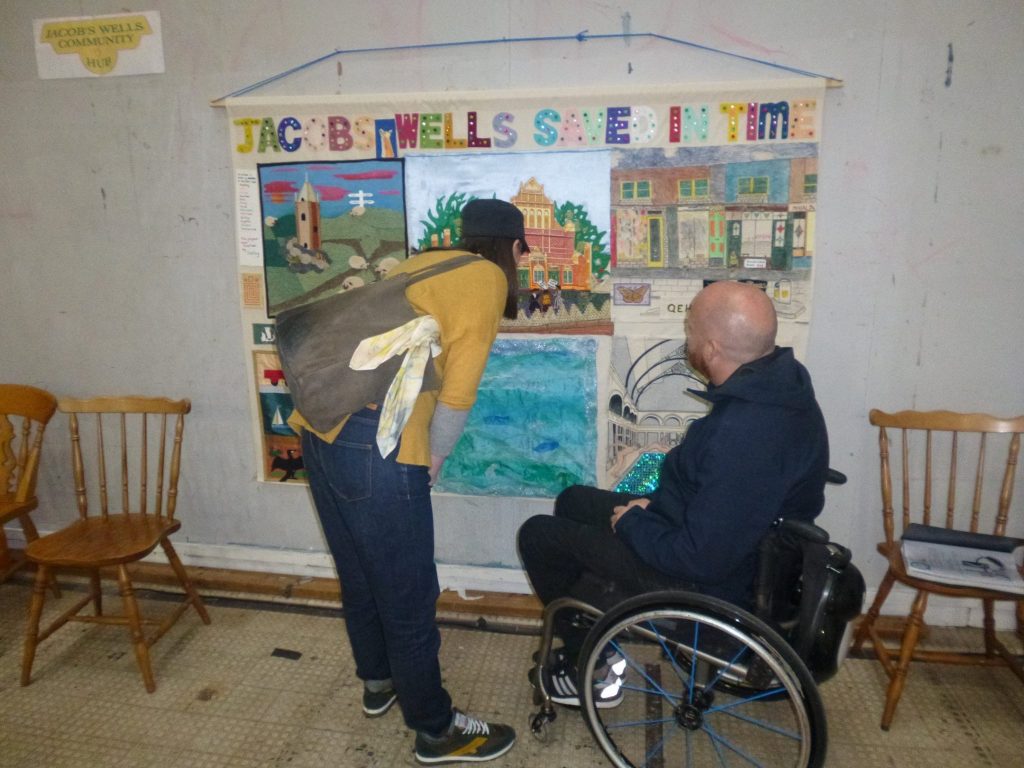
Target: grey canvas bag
x,y
316,342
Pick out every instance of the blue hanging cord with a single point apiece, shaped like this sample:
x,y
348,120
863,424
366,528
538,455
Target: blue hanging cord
x,y
582,36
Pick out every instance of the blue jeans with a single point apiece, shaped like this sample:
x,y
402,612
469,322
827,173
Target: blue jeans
x,y
575,553
379,525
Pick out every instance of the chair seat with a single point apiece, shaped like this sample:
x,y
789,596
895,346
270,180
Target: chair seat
x,y
97,542
898,569
10,509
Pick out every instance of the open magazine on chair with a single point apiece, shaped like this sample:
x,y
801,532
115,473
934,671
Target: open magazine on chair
x,y
964,559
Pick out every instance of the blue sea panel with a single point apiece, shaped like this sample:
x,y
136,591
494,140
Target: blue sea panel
x,y
533,430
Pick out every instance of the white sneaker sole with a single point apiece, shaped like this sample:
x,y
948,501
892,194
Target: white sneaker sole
x,y
574,702
442,759
381,710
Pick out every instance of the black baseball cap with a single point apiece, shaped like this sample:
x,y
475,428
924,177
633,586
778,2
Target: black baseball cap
x,y
493,218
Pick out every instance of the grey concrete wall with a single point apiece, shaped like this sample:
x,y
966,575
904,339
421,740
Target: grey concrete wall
x,y
119,263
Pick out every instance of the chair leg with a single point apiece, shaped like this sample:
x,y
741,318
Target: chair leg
x,y
989,624
910,637
54,586
131,609
876,608
1020,620
96,591
35,612
6,561
186,582
31,534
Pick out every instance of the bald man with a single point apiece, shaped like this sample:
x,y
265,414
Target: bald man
x,y
760,454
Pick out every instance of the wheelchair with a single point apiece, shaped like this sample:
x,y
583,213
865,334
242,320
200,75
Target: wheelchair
x,y
688,680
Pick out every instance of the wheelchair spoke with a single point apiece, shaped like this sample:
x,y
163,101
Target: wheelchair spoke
x,y
693,662
714,744
731,747
761,724
640,723
639,669
671,698
657,749
671,656
747,700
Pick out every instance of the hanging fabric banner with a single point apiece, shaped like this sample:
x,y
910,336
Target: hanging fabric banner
x,y
633,200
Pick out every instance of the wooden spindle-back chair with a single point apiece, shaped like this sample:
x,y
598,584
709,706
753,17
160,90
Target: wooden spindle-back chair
x,y
121,519
967,490
24,413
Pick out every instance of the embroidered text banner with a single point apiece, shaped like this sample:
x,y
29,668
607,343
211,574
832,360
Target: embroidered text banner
x,y
385,127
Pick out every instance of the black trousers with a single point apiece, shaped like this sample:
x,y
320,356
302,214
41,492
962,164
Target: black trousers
x,y
575,553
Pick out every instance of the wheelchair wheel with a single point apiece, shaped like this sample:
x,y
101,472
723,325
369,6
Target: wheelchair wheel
x,y
681,679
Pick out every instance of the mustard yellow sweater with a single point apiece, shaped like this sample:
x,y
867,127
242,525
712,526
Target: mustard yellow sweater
x,y
467,303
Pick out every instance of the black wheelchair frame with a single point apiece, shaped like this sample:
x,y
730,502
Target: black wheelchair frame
x,y
699,680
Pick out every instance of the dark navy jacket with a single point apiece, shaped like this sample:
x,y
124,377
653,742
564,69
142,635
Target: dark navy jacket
x,y
761,453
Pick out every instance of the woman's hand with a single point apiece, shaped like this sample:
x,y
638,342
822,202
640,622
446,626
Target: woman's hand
x,y
435,467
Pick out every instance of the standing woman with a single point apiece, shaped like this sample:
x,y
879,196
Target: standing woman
x,y
376,513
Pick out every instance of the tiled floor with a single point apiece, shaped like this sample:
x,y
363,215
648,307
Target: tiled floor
x,y
225,700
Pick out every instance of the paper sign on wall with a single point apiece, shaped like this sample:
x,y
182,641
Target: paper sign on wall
x,y
99,46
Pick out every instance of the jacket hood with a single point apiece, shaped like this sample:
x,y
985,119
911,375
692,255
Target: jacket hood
x,y
775,379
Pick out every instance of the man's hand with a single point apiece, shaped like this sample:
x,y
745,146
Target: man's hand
x,y
622,509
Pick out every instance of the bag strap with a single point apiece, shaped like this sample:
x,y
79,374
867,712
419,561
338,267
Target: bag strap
x,y
441,267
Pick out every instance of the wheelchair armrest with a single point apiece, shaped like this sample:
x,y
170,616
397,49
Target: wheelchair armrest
x,y
804,530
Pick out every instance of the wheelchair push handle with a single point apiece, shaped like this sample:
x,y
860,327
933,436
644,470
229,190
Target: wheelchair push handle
x,y
810,532
806,531
835,477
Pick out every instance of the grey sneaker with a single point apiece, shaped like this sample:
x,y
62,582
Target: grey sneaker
x,y
468,740
377,703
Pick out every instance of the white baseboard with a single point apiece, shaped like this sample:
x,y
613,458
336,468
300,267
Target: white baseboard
x,y
236,557
942,611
